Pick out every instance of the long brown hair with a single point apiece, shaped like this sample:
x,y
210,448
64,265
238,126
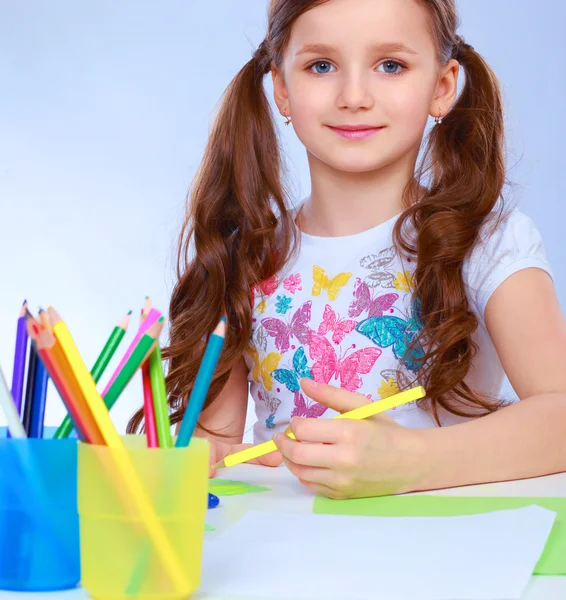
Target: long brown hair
x,y
240,231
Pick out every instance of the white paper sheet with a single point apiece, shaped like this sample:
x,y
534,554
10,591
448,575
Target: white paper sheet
x,y
490,556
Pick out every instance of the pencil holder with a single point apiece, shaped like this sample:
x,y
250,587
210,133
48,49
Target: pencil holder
x,y
39,525
119,559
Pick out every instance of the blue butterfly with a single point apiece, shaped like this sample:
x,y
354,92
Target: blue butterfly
x,y
269,421
290,378
386,330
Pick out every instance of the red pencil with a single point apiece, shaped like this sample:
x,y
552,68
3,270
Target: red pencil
x,y
148,406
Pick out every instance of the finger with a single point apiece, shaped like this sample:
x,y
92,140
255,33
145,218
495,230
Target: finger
x,y
335,398
318,475
312,455
322,490
324,431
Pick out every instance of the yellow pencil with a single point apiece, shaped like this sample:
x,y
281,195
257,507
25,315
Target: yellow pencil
x,y
102,417
363,412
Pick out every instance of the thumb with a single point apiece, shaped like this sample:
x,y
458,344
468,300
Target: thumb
x,y
335,398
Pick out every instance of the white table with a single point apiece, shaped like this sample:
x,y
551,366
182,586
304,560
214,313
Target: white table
x,y
286,493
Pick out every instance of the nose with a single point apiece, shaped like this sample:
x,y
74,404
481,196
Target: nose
x,y
355,90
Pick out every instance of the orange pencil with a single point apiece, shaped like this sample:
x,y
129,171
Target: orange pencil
x,y
42,335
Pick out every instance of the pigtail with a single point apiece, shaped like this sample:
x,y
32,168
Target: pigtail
x,y
236,205
464,158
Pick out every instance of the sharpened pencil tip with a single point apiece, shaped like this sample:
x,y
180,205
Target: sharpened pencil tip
x,y
220,329
219,465
130,312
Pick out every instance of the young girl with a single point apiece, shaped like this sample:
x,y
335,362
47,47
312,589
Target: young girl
x,y
387,276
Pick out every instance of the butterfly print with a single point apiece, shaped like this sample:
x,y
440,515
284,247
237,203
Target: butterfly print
x,y
332,322
263,368
272,405
400,375
346,369
308,409
323,282
297,327
399,333
259,338
290,377
267,287
377,264
365,301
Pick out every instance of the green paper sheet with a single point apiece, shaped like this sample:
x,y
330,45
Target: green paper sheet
x,y
552,561
228,487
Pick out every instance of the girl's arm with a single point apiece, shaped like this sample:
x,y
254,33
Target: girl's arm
x,y
226,417
524,320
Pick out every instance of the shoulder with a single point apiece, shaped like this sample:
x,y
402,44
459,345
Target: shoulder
x,y
507,243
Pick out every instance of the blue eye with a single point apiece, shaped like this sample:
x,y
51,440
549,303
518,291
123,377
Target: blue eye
x,y
394,63
320,62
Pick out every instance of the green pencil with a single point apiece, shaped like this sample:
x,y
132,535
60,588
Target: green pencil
x,y
99,367
137,358
162,421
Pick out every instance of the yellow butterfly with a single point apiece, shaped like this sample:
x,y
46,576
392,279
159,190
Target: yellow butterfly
x,y
322,282
264,367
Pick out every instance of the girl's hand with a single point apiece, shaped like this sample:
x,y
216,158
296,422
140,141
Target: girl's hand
x,y
352,459
219,450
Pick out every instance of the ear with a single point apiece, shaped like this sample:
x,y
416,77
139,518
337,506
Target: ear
x,y
446,89
279,89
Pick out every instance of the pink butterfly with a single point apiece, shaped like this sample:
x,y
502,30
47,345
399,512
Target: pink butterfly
x,y
348,370
332,322
364,301
311,410
282,332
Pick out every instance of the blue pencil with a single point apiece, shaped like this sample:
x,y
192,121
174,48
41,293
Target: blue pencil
x,y
202,383
39,400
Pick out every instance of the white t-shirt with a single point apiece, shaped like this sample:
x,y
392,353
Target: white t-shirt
x,y
342,314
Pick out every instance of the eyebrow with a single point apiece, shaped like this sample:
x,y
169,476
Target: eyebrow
x,y
384,47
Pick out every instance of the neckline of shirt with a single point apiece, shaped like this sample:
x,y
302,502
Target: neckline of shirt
x,y
361,236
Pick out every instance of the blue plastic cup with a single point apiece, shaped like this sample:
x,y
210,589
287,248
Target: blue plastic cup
x,y
39,524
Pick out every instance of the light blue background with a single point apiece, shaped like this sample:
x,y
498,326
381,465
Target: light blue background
x,y
105,108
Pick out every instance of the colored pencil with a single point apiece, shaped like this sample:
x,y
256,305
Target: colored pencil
x,y
30,386
20,360
148,407
137,358
363,412
8,405
202,383
151,318
39,400
161,410
58,368
136,491
99,367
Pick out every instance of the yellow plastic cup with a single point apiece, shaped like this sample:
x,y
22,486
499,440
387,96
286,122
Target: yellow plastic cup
x,y
118,560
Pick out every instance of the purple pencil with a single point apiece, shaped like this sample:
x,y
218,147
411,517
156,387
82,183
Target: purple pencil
x,y
20,359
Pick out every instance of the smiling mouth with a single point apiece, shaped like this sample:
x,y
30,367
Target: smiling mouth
x,y
356,133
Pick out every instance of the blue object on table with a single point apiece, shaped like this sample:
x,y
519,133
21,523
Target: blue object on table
x,y
39,523
213,501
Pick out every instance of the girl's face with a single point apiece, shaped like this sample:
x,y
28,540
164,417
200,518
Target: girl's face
x,y
363,62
